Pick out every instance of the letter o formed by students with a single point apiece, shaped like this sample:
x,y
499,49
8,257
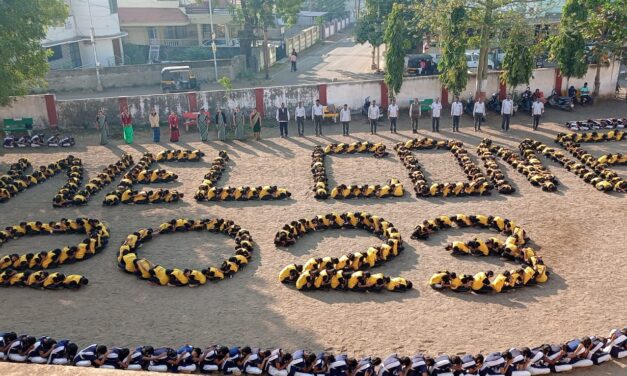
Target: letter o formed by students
x,y
348,272
129,261
29,270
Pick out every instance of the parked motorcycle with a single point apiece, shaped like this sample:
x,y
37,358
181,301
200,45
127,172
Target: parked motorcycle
x,y
494,104
561,102
470,105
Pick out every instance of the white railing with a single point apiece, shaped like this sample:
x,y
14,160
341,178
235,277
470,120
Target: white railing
x,y
188,42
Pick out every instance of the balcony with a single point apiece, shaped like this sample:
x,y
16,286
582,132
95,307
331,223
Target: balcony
x,y
187,42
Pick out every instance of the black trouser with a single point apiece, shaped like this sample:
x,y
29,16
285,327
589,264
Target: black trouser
x,y
414,125
293,68
373,126
300,122
455,123
435,124
478,119
505,122
318,124
393,124
536,121
345,128
283,128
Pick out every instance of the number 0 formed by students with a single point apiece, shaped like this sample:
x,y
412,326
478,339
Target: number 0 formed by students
x,y
348,272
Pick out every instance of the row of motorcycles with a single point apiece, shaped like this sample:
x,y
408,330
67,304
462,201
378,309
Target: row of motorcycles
x,y
522,103
38,140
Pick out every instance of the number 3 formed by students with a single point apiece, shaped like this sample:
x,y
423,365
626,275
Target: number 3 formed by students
x,y
348,272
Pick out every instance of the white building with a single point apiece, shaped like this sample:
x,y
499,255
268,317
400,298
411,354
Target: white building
x,y
71,43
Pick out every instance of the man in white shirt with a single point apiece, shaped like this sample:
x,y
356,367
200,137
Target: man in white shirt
x,y
537,109
299,114
456,111
507,110
316,116
283,117
345,118
436,109
393,115
414,115
479,113
373,116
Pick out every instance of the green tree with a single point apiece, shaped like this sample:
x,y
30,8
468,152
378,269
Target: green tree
x,y
568,47
487,20
395,54
260,15
370,26
605,29
454,41
23,62
519,61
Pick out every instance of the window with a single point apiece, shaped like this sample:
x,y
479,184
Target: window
x,y
176,32
75,55
152,33
113,6
57,53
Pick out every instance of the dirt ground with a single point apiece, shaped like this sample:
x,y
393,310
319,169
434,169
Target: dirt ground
x,y
579,232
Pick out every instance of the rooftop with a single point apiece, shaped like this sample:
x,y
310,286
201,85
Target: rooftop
x,y
152,16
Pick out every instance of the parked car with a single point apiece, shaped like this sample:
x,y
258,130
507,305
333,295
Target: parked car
x,y
472,60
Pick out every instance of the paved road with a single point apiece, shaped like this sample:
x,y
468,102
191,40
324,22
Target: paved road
x,y
336,59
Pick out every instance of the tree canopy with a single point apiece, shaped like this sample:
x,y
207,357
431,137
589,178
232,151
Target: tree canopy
x,y
23,62
454,41
395,55
519,59
568,46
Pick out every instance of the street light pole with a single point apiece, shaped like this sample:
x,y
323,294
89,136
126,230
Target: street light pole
x,y
92,37
213,41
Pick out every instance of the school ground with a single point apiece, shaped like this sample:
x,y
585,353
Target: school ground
x,y
579,232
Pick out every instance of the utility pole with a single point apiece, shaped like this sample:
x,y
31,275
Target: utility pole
x,y
213,41
92,37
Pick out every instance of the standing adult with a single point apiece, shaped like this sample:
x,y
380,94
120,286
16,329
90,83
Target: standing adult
x,y
345,118
153,119
316,114
373,116
507,110
456,112
283,117
203,124
173,122
479,113
237,122
103,126
414,115
436,111
255,123
293,58
127,125
393,115
220,119
537,110
299,114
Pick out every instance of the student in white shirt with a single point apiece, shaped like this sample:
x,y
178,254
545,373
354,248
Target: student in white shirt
x,y
479,113
299,114
456,111
436,109
537,109
393,115
373,116
316,116
345,118
507,110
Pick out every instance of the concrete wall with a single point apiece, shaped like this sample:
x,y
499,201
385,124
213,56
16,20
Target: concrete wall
x,y
609,76
30,106
353,93
137,75
80,113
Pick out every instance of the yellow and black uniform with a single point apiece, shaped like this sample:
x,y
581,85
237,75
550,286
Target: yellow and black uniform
x,y
499,282
159,275
288,274
439,280
196,278
398,284
481,283
338,281
355,280
178,277
304,281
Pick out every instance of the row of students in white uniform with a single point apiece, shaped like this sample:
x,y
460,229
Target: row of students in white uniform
x,y
545,359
